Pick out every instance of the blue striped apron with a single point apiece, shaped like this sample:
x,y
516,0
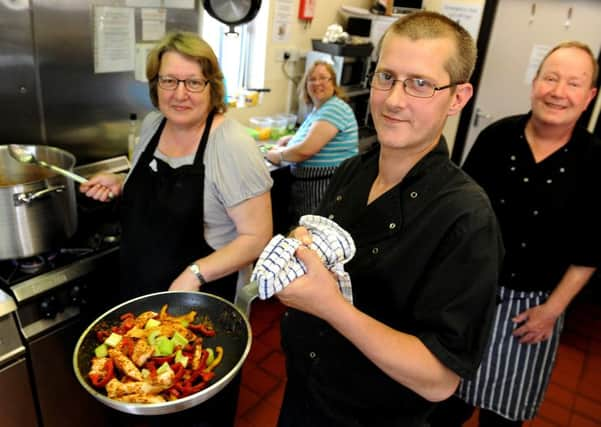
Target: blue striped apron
x,y
308,187
512,378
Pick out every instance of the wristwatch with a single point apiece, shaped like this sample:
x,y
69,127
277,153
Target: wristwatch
x,y
196,271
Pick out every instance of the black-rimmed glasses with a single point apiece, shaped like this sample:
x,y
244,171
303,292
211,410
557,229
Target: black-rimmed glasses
x,y
414,86
192,85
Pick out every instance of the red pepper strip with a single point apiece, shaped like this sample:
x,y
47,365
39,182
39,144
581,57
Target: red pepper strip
x,y
151,368
162,359
203,329
128,324
101,336
127,316
100,381
178,370
193,389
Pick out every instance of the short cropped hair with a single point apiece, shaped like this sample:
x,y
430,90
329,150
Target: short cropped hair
x,y
431,25
578,45
193,47
303,93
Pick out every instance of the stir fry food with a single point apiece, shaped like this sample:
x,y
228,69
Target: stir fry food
x,y
154,357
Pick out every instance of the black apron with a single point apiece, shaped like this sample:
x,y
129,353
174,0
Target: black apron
x,y
162,223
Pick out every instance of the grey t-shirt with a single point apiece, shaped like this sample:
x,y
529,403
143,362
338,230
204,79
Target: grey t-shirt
x,y
234,172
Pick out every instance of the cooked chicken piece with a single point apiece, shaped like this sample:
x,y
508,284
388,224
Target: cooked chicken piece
x,y
196,356
136,332
116,388
98,366
143,318
164,379
141,398
168,328
142,351
125,365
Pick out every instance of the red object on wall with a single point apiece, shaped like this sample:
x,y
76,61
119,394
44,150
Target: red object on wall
x,y
306,9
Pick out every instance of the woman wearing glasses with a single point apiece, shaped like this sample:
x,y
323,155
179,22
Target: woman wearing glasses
x,y
328,136
196,204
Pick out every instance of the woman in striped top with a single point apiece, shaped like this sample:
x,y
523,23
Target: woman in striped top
x,y
327,136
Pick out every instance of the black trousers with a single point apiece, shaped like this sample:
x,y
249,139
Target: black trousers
x,y
454,412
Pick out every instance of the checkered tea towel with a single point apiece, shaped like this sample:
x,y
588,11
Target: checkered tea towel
x,y
277,266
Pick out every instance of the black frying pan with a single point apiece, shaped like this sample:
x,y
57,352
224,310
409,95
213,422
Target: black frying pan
x,y
233,334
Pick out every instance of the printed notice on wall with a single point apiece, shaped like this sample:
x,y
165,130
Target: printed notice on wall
x,y
179,4
143,3
282,20
142,51
536,56
468,16
114,39
153,23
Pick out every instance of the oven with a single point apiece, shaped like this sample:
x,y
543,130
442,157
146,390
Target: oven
x,y
56,295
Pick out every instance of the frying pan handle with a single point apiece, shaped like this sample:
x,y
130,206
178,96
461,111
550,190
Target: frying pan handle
x,y
245,296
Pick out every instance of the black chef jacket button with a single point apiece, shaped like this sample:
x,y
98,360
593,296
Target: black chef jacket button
x,y
331,216
375,251
413,194
512,157
312,355
512,274
549,181
526,179
562,170
534,212
512,168
523,244
338,198
502,201
392,225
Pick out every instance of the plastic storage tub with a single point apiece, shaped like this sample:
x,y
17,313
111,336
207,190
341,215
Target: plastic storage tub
x,y
263,127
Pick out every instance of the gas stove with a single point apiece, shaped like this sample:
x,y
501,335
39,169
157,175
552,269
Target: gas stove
x,y
55,296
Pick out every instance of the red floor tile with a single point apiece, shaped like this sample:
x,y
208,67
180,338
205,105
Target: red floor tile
x,y
555,413
561,396
588,408
580,421
275,364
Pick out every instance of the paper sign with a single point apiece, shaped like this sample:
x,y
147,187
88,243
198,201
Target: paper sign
x,y
282,20
143,3
114,39
142,51
536,56
153,23
179,4
468,16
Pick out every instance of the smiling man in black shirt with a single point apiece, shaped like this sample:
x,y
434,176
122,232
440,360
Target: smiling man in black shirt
x,y
428,253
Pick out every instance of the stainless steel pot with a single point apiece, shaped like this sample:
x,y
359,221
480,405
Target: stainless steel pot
x,y
37,207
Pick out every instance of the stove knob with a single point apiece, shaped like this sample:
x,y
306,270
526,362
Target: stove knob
x,y
49,307
78,295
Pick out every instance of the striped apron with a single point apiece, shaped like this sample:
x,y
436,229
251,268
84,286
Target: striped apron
x,y
512,378
308,187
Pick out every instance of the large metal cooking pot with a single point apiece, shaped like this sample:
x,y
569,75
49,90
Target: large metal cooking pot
x,y
38,211
233,334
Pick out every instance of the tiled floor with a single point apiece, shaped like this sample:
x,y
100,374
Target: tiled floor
x,y
573,398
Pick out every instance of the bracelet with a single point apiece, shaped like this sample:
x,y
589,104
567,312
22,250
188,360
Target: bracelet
x,y
282,156
196,271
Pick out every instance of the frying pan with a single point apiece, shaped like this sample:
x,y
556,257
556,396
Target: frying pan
x,y
230,323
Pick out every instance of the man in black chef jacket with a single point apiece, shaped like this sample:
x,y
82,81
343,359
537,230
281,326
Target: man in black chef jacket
x,y
542,174
428,253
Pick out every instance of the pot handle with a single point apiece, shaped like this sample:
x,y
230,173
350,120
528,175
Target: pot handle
x,y
245,296
26,198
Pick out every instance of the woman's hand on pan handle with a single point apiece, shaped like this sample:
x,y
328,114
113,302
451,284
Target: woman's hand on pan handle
x,y
103,187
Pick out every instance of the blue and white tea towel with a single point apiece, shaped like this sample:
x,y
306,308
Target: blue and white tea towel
x,y
278,266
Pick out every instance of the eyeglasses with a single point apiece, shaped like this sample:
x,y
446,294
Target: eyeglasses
x,y
416,87
192,85
314,80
